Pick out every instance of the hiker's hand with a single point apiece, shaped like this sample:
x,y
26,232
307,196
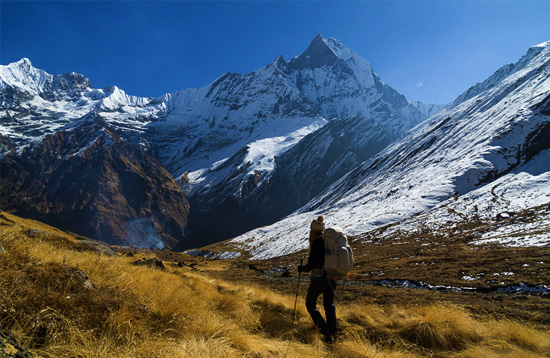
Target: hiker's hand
x,y
300,269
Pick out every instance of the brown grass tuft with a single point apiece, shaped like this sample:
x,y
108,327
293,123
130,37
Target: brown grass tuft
x,y
357,347
439,327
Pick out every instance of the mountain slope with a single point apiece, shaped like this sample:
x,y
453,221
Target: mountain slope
x,y
493,148
64,297
91,182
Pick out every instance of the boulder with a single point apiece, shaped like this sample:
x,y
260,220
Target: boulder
x,y
10,349
152,262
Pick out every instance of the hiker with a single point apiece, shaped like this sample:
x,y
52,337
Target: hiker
x,y
317,227
320,283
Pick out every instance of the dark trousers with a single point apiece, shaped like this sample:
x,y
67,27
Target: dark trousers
x,y
327,288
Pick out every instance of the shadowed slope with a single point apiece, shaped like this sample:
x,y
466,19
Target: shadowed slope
x,y
93,183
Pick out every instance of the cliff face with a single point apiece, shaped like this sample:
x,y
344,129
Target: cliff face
x,y
93,183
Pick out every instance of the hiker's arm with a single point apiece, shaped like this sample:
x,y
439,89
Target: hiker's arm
x,y
316,256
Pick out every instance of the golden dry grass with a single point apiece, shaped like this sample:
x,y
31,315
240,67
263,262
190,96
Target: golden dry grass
x,y
47,306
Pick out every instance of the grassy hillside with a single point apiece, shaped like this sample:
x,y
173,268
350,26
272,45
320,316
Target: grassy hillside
x,y
64,297
447,262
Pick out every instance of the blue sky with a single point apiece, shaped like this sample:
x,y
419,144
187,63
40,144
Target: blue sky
x,y
427,50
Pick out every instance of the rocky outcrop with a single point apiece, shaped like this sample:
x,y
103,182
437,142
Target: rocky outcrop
x,y
151,262
5,144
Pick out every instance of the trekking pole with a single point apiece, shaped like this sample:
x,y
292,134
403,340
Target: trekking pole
x,y
297,288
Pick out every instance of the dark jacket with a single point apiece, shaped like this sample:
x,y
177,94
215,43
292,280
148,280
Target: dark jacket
x,y
316,259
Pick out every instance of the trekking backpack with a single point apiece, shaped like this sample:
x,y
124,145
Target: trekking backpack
x,y
338,254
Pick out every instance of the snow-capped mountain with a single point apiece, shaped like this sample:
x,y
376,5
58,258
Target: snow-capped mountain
x,y
428,109
34,103
327,81
226,142
486,154
327,86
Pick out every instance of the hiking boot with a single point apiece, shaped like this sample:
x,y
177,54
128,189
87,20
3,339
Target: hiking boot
x,y
329,339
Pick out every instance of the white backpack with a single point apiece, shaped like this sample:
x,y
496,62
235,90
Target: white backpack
x,y
338,254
